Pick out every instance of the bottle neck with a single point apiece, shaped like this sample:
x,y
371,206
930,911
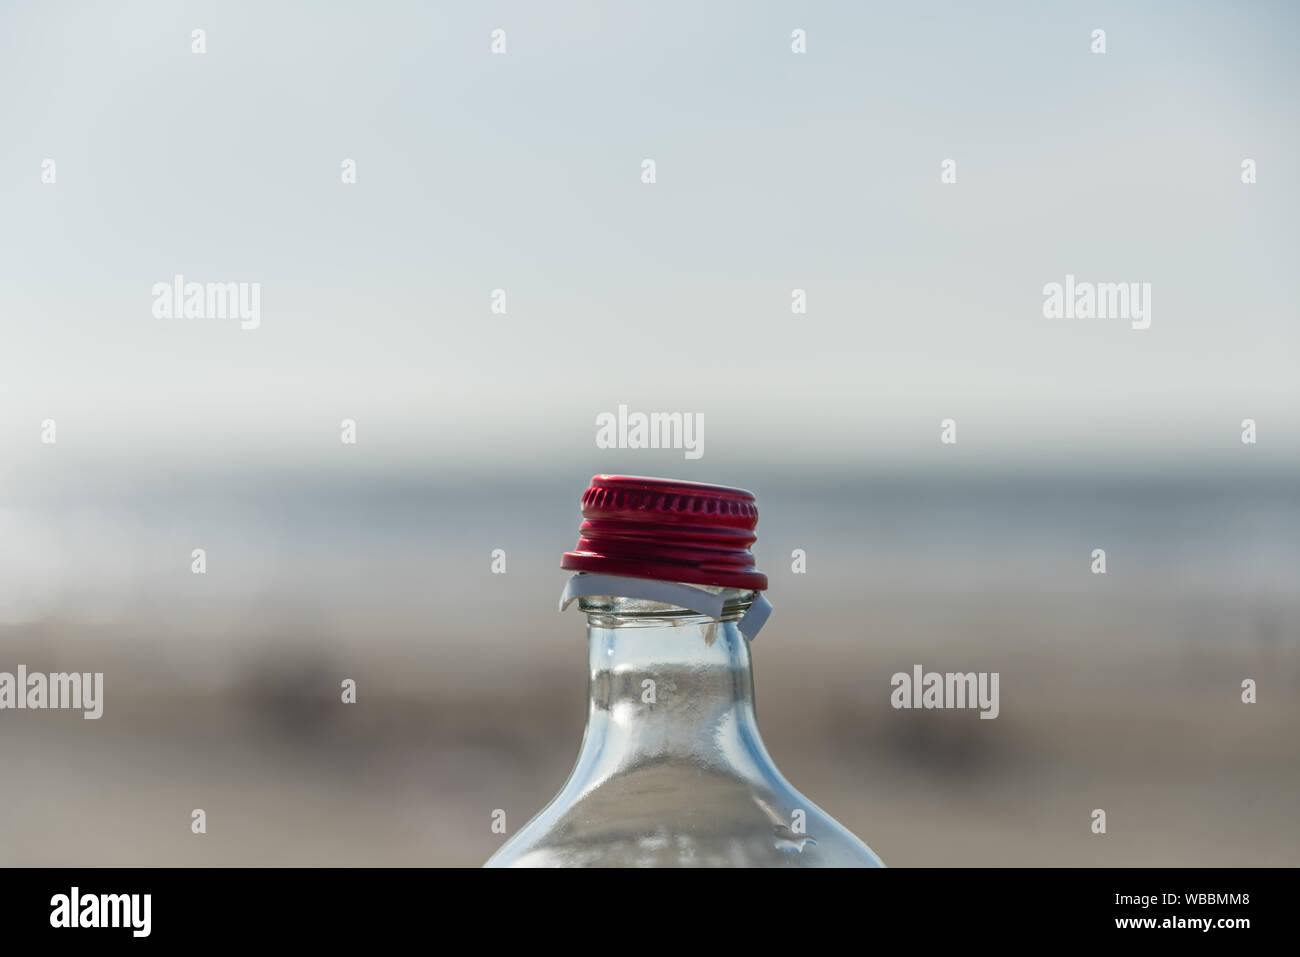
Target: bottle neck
x,y
667,684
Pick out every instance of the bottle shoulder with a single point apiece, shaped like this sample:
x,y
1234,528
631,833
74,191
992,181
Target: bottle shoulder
x,y
683,814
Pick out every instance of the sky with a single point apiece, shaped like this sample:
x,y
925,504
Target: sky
x,y
774,171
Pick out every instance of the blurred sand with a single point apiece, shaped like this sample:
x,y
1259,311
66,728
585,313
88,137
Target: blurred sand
x,y
410,775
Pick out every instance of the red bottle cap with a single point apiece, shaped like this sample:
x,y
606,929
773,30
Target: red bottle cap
x,y
667,529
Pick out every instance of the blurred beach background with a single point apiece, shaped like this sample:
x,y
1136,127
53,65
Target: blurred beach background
x,y
475,431
222,691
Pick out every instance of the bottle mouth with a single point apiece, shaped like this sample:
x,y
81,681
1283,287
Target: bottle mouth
x,y
615,609
669,530
619,598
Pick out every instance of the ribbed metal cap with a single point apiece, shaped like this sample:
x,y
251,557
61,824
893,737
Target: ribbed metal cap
x,y
668,529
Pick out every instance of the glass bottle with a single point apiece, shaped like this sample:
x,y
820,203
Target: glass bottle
x,y
672,770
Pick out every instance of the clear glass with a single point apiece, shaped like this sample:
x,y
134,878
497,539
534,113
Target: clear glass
x,y
672,771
